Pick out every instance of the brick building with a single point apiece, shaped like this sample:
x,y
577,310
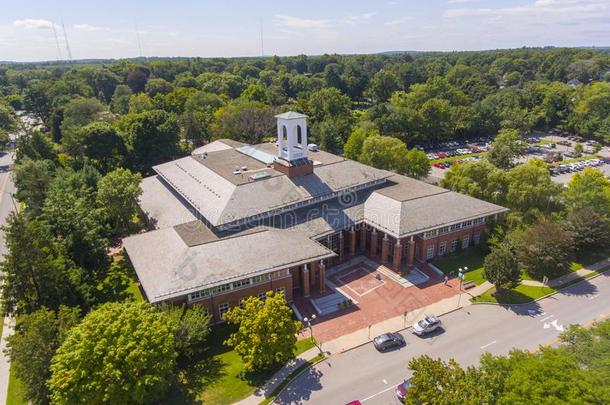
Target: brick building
x,y
235,220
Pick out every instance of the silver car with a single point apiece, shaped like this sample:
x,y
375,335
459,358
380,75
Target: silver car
x,y
426,325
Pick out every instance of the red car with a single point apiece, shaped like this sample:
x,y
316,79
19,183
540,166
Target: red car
x,y
355,403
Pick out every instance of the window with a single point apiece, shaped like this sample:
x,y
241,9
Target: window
x,y
299,135
443,230
454,245
241,302
442,248
430,234
465,241
430,252
455,227
241,283
262,296
280,290
222,308
284,132
221,288
260,279
467,224
199,294
477,238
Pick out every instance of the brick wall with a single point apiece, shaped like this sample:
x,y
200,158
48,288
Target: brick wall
x,y
233,297
423,244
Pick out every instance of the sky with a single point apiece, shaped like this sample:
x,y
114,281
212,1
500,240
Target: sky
x,y
37,30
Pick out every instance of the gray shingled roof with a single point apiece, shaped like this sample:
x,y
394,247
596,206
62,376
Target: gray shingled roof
x,y
162,207
221,200
167,268
416,215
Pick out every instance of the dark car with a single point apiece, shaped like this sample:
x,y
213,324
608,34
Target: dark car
x,y
388,341
426,325
402,389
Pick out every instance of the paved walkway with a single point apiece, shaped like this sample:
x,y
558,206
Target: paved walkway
x,y
566,278
5,366
261,393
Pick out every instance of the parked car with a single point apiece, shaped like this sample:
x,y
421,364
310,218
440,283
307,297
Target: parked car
x,y
354,403
388,341
402,389
426,325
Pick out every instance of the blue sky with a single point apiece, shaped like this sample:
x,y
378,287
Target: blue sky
x,y
107,28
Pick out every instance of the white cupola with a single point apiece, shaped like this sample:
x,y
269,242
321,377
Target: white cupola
x,y
291,136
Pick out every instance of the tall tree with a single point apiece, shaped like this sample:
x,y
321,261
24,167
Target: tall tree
x,y
505,148
31,348
501,267
258,347
117,196
121,353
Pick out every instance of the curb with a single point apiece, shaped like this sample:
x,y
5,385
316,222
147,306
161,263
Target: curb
x,y
326,356
547,295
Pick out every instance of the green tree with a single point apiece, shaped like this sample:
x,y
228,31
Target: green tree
x,y
588,228
245,121
120,99
578,149
102,146
588,189
382,85
545,249
192,327
266,334
36,272
353,147
31,348
501,267
505,148
156,86
415,164
32,180
383,152
117,195
479,179
151,138
121,353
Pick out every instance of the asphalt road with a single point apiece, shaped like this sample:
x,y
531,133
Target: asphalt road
x,y
369,376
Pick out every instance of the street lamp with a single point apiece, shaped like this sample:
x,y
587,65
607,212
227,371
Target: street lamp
x,y
461,277
308,322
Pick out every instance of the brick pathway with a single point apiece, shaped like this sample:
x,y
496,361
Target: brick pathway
x,y
378,300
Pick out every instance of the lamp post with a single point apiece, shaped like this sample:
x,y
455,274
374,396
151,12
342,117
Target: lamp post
x,y
308,322
461,277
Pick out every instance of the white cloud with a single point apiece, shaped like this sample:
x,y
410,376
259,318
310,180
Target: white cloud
x,y
400,21
539,9
87,27
296,22
357,19
32,23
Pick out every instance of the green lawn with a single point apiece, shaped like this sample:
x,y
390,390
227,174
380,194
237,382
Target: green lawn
x,y
518,295
219,378
15,391
470,258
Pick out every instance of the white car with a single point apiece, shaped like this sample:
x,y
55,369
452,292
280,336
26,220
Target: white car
x,y
428,324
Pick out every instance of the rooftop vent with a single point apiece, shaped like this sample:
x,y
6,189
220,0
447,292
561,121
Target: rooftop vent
x,y
259,176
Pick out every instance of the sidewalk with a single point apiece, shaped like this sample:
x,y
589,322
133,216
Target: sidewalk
x,y
5,366
261,393
398,323
566,278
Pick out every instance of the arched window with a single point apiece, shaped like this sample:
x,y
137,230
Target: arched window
x,y
284,132
299,135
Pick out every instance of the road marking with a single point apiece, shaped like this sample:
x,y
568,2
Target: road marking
x,y
593,296
379,393
555,325
488,344
548,317
535,313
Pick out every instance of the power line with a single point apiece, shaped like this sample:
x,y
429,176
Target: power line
x,y
56,42
262,43
138,39
66,39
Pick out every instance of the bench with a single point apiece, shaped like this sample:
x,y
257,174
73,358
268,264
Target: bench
x,y
469,284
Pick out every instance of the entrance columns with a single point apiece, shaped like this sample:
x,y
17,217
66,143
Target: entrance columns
x,y
374,240
322,269
305,281
341,245
411,252
397,255
385,249
363,239
352,242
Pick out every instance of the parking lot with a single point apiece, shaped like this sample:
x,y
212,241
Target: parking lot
x,y
555,149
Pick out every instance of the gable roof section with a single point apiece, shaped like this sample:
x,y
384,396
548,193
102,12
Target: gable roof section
x,y
168,268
